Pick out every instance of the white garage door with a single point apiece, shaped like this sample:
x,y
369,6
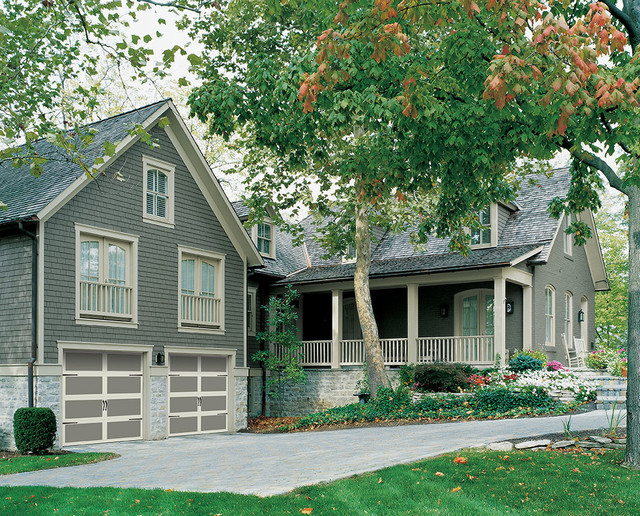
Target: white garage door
x,y
198,393
102,396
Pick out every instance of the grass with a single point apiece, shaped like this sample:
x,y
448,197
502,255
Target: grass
x,y
489,483
21,464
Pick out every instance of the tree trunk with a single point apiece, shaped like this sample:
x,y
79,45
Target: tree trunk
x,y
373,353
632,456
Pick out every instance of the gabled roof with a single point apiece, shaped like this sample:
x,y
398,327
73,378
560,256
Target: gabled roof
x,y
31,198
26,195
527,235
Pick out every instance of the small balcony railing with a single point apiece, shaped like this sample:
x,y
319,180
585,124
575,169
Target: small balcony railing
x,y
202,311
105,300
474,349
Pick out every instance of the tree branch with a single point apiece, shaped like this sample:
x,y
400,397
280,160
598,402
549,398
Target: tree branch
x,y
609,129
171,4
623,18
588,158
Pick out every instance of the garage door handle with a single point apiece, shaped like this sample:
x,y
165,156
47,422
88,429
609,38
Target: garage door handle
x,y
69,422
135,419
69,374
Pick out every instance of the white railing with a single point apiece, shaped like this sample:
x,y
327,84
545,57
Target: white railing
x,y
200,310
476,349
105,299
312,353
394,351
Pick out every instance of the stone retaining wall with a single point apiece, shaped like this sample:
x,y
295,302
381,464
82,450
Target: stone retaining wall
x,y
324,388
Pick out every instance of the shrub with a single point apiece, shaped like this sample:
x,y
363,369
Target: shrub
x,y
502,399
407,375
555,366
524,362
443,377
34,429
540,355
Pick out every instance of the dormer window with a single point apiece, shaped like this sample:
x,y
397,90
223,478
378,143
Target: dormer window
x,y
263,237
568,237
350,254
486,234
158,192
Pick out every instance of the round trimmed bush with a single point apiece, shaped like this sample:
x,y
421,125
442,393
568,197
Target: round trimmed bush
x,y
34,429
523,363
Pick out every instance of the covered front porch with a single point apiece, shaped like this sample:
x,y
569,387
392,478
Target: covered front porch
x,y
475,317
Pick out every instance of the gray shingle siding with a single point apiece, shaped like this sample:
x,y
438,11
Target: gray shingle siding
x,y
15,299
117,205
564,274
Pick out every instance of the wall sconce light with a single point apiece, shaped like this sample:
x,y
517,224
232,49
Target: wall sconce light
x,y
581,315
444,310
160,358
509,306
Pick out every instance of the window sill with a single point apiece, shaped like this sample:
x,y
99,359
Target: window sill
x,y
194,329
106,322
158,222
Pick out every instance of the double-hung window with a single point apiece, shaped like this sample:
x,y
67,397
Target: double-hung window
x,y
568,237
264,237
252,314
158,192
549,312
485,235
201,299
568,319
106,282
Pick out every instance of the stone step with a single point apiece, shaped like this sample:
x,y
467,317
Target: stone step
x,y
608,405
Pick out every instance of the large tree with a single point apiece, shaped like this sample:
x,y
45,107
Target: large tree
x,y
567,73
356,155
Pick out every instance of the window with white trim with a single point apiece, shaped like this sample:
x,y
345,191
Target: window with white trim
x,y
263,236
568,319
549,311
486,235
106,276
201,297
568,237
350,254
252,314
158,192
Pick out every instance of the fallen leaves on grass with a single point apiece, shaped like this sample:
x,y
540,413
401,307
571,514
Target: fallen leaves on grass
x,y
439,474
460,460
306,510
456,489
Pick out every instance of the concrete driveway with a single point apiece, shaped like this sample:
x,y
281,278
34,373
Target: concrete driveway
x,y
272,464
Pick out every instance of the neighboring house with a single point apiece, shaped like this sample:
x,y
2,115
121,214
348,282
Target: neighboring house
x,y
522,286
127,289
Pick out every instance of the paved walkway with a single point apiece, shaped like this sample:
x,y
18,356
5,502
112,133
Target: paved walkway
x,y
276,463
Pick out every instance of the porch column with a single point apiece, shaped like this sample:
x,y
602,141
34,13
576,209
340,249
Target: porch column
x,y
499,320
527,316
412,323
336,327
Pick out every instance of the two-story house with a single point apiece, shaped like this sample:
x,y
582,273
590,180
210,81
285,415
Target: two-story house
x,y
523,285
123,305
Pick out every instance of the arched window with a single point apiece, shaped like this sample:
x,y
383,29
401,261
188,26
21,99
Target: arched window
x,y
568,317
549,311
473,314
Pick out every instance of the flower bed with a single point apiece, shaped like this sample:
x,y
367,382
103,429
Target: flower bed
x,y
613,360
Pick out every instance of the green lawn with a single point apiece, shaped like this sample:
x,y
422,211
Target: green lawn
x,y
35,462
489,483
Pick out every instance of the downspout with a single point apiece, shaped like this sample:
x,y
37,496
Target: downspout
x,y
34,309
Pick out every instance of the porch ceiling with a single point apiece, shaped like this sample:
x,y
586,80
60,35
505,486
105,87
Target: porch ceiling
x,y
477,258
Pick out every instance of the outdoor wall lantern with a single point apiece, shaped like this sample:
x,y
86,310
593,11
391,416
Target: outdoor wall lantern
x,y
509,307
581,315
160,359
444,310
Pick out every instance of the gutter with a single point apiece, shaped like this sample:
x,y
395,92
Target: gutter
x,y
34,309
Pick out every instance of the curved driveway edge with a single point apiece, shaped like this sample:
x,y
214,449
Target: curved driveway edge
x,y
268,464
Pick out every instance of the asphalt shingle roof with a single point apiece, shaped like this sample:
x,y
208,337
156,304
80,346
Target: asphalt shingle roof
x,y
526,229
26,195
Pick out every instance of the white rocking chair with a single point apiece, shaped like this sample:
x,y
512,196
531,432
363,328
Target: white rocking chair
x,y
574,358
580,347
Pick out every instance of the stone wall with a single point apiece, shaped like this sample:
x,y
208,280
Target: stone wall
x,y
158,411
324,388
14,395
241,398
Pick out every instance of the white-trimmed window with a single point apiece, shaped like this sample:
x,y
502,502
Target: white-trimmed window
x,y
487,234
567,237
158,192
264,238
549,311
201,296
252,314
474,312
350,254
106,277
568,319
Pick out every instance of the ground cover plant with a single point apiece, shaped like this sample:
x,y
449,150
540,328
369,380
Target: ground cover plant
x,y
12,463
480,483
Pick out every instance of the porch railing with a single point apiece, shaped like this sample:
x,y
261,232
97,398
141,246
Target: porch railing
x,y
312,353
474,349
394,351
105,299
200,310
